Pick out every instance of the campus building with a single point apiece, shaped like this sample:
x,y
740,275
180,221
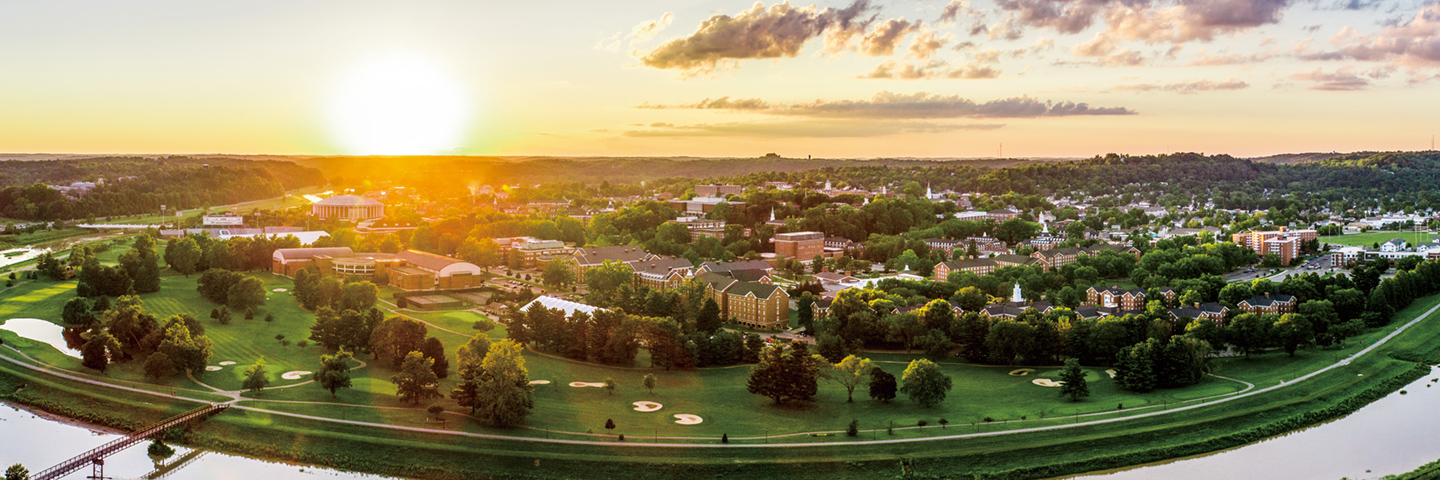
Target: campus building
x,y
753,304
1284,243
408,270
348,207
799,245
1058,257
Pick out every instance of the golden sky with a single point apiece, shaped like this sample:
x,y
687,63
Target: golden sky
x,y
719,78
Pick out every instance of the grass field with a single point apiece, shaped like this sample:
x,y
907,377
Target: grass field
x,y
718,395
1372,238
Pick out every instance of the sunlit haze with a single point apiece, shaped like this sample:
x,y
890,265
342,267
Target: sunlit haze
x,y
839,78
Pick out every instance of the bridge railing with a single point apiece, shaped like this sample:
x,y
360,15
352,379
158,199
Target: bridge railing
x,y
80,461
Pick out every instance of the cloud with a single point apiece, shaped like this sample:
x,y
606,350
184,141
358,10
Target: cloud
x,y
1228,58
1414,44
817,128
1185,87
922,105
1104,50
1149,21
954,10
775,32
1342,79
934,69
926,43
647,30
722,103
881,41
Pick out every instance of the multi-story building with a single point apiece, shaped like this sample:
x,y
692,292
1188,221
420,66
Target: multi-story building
x,y
946,244
408,270
799,245
1284,243
1115,297
717,190
1268,303
534,253
1059,257
754,304
701,227
1210,311
979,266
662,273
591,257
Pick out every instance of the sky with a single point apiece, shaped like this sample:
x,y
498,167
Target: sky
x,y
842,78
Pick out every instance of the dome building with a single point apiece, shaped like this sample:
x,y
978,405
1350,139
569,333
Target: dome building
x,y
348,207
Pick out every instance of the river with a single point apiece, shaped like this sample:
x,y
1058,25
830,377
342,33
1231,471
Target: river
x,y
1393,435
39,442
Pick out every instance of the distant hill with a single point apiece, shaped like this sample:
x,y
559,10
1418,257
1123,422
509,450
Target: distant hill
x,y
1294,158
529,170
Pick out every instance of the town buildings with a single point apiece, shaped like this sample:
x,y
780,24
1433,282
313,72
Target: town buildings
x,y
799,245
1284,243
351,208
408,270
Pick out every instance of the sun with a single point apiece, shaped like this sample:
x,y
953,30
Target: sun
x,y
398,104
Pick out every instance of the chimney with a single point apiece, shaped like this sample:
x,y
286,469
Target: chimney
x,y
1197,305
1267,294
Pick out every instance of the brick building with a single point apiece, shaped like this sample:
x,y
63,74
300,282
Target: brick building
x,y
799,245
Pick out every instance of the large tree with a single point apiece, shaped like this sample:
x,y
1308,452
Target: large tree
x,y
1293,331
925,383
882,385
850,372
183,255
558,273
1073,380
785,372
255,378
246,294
334,372
708,320
395,337
435,351
100,350
416,380
504,395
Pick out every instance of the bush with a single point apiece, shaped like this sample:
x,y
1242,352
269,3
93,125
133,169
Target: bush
x,y
269,317
621,437
853,429
724,438
302,344
921,423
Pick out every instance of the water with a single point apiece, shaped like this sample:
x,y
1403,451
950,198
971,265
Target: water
x,y
39,443
41,330
1393,435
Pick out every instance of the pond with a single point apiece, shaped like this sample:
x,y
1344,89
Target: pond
x,y
41,330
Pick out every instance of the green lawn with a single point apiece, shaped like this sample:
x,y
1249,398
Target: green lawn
x,y
1373,237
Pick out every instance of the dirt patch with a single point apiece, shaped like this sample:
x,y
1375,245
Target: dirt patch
x,y
1020,372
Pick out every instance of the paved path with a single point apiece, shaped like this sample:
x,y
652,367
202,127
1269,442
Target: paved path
x,y
1165,411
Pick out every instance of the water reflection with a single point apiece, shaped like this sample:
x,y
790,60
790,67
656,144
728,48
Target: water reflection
x,y
39,443
42,331
1393,435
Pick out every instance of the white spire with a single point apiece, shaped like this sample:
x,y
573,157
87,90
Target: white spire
x,y
772,214
827,185
1015,296
1044,227
927,191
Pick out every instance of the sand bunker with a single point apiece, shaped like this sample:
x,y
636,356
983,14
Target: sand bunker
x,y
278,290
1110,372
1045,382
1021,372
226,363
212,368
587,384
688,419
539,382
643,406
294,375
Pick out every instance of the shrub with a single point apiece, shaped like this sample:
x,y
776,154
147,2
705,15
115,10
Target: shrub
x,y
853,429
621,437
921,423
302,344
943,422
724,438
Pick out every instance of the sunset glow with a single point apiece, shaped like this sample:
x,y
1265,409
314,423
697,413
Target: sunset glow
x,y
398,105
